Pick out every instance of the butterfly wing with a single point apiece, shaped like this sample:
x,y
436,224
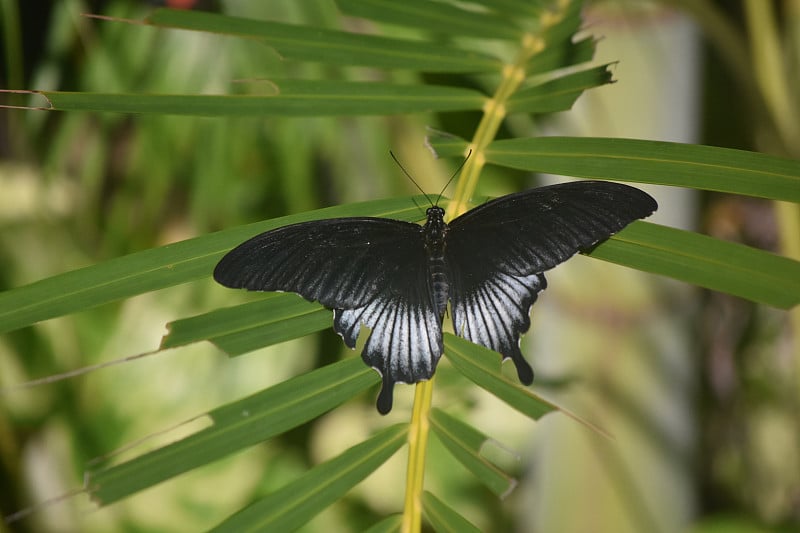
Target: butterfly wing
x,y
405,343
496,254
370,271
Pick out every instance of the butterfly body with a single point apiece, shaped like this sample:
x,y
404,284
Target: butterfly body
x,y
397,278
435,231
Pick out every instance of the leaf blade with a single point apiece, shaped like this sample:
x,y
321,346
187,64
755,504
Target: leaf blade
x,y
561,55
558,94
333,47
481,366
299,501
292,98
436,16
465,442
665,163
444,518
707,262
236,330
157,268
237,425
390,524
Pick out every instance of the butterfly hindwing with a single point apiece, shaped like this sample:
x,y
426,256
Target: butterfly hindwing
x,y
494,312
405,343
371,271
497,253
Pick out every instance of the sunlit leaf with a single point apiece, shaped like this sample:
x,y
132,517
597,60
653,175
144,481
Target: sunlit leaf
x,y
236,426
247,327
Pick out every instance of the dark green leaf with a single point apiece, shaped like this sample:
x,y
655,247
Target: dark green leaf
x,y
564,55
558,94
565,28
295,98
390,524
665,163
531,7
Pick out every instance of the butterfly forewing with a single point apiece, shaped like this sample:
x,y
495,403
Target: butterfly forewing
x,y
534,230
496,254
340,262
371,271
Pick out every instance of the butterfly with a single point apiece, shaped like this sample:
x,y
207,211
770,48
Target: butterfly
x,y
397,277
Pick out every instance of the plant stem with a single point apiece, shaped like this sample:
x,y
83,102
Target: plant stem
x,y
494,111
417,450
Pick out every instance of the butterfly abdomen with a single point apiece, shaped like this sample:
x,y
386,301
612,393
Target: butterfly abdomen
x,y
439,284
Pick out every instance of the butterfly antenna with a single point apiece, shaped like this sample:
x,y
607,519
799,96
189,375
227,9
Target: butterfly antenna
x,y
446,185
409,177
418,206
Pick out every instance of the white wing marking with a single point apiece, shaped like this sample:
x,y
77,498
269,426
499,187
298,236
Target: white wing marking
x,y
405,343
495,313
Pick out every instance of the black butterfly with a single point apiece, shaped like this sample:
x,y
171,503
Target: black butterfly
x,y
396,277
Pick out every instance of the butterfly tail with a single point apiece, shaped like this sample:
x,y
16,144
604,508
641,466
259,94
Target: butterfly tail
x,y
385,397
524,370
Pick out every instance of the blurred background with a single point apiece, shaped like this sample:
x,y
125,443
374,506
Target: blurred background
x,y
699,389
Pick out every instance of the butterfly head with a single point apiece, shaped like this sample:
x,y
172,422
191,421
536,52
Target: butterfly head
x,y
435,214
435,227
